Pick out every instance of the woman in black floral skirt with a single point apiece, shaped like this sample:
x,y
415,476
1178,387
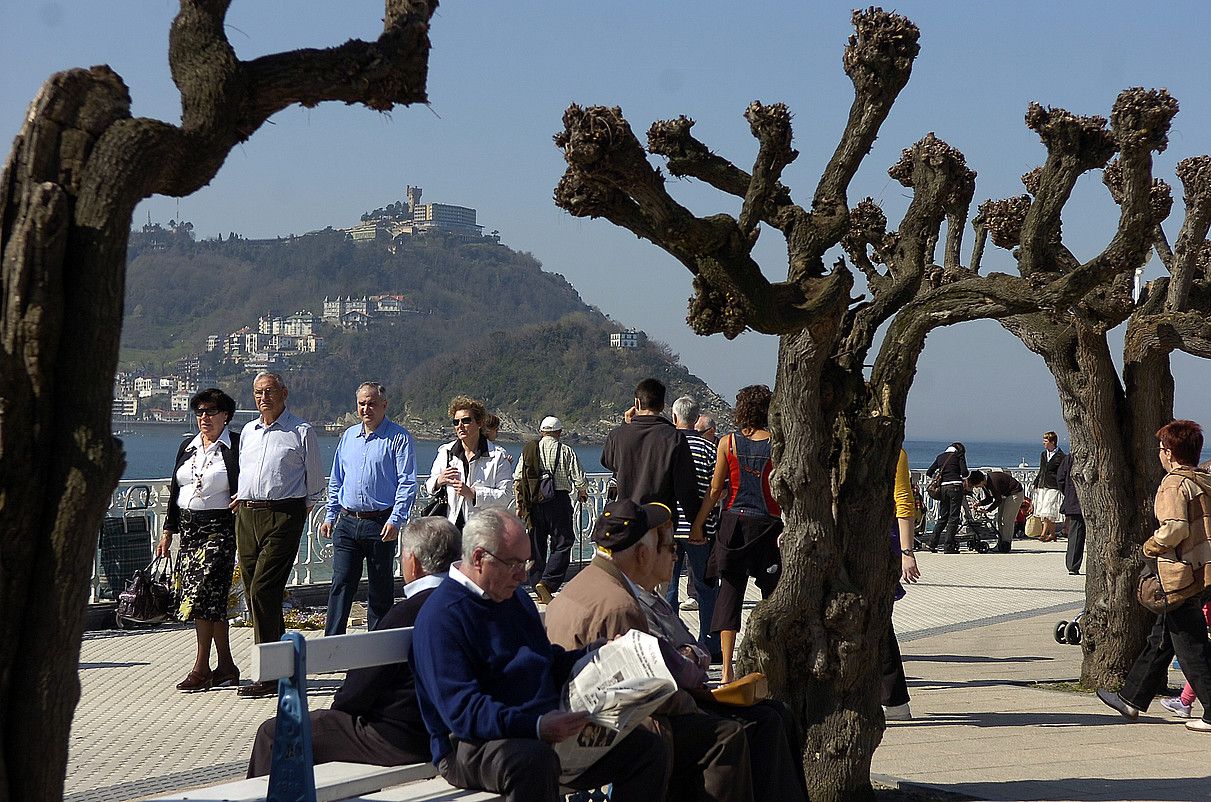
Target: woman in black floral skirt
x,y
204,479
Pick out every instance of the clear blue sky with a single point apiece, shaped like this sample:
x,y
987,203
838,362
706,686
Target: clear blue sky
x,y
501,74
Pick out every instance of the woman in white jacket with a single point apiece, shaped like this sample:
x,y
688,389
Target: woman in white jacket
x,y
475,472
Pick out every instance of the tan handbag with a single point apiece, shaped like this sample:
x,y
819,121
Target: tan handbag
x,y
1169,582
744,692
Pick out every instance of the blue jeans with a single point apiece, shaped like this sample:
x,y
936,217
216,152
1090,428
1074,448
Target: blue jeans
x,y
696,556
355,540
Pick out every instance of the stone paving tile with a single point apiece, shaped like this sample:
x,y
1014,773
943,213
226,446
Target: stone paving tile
x,y
974,631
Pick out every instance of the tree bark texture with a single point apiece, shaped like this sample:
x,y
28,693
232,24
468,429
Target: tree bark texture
x,y
77,169
836,432
1112,421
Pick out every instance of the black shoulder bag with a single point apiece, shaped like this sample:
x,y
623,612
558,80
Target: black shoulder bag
x,y
439,505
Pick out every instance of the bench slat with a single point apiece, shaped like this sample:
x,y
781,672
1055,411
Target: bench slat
x,y
333,781
435,790
333,653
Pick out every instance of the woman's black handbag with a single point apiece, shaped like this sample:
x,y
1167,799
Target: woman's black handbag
x,y
439,505
148,595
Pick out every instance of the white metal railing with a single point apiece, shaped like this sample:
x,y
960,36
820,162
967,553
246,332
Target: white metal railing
x,y
147,499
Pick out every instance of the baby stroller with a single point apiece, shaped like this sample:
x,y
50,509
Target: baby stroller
x,y
977,528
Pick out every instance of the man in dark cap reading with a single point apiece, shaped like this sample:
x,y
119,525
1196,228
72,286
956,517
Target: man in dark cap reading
x,y
718,754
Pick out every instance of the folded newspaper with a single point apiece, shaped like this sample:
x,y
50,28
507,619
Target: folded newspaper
x,y
618,685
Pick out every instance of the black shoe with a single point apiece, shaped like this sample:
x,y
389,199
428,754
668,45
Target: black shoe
x,y
258,689
930,547
1004,548
1075,573
951,550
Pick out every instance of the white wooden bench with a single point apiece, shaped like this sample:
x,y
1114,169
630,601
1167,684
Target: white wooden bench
x,y
291,778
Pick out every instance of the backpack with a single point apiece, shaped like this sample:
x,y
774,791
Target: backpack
x,y
546,481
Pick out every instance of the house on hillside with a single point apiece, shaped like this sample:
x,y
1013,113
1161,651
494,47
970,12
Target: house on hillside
x,y
627,338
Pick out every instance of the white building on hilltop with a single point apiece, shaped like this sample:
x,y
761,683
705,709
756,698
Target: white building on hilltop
x,y
628,338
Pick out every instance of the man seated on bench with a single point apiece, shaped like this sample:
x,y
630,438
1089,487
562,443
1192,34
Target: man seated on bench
x,y
375,717
490,683
616,592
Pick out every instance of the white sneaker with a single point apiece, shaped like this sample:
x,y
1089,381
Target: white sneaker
x,y
1174,705
689,604
897,713
1198,725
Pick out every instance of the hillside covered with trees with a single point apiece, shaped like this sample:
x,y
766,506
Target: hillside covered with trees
x,y
489,322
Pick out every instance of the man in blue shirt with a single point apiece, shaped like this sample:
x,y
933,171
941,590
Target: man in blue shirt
x,y
489,682
370,494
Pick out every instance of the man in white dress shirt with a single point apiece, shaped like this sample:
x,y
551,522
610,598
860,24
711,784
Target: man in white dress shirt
x,y
280,480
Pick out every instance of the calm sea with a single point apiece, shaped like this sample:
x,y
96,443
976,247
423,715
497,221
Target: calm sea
x,y
150,449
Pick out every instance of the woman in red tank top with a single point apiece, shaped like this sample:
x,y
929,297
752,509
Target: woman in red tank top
x,y
750,523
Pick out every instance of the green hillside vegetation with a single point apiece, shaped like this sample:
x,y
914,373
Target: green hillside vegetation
x,y
562,368
492,324
180,291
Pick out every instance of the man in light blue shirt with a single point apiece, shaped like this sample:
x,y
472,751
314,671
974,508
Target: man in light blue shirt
x,y
370,494
280,480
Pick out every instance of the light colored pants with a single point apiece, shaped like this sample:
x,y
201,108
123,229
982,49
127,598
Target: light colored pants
x,y
1007,515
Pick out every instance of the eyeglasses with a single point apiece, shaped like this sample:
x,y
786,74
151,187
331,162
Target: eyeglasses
x,y
1163,448
512,565
463,422
207,412
268,392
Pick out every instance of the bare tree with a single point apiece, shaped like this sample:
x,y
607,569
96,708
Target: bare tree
x,y
77,169
837,433
1112,420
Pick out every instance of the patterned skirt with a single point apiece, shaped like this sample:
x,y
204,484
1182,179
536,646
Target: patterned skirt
x,y
205,559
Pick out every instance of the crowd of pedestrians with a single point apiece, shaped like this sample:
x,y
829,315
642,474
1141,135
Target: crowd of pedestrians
x,y
481,694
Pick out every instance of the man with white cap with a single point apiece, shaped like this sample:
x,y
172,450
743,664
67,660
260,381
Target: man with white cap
x,y
544,478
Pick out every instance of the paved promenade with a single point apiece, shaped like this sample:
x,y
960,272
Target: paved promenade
x,y
976,635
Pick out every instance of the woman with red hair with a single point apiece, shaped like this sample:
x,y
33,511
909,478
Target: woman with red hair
x,y
1183,512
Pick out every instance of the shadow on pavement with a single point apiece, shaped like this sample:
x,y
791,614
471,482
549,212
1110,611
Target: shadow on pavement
x,y
1026,718
966,658
1158,789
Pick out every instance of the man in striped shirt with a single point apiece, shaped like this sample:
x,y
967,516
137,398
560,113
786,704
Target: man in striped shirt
x,y
695,555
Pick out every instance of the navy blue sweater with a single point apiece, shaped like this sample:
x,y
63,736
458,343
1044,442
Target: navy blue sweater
x,y
484,670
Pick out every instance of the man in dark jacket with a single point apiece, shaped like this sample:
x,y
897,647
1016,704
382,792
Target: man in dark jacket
x,y
375,717
1007,494
649,458
1071,507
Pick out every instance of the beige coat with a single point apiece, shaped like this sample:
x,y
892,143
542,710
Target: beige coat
x,y
597,603
1183,510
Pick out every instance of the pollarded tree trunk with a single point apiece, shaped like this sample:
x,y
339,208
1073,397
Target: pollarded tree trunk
x,y
818,638
64,253
76,171
1113,422
1114,499
836,433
